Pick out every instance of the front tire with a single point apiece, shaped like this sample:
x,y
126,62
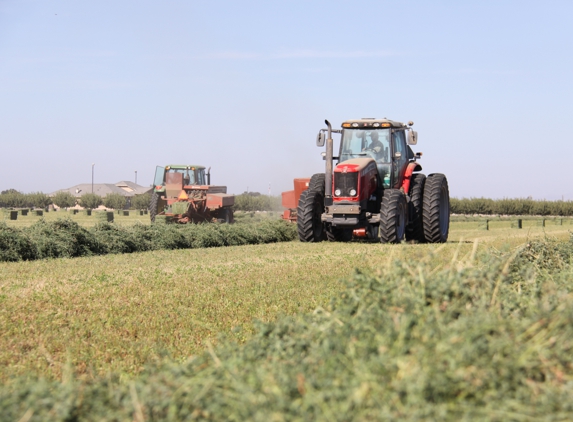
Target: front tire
x,y
415,229
436,210
393,216
309,212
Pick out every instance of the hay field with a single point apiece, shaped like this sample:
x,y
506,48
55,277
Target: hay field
x,y
119,312
80,218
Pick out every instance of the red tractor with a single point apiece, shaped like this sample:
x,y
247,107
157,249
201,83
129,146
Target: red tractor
x,y
375,190
184,194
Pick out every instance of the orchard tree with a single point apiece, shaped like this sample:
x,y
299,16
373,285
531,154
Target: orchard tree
x,y
39,199
90,200
13,199
114,200
141,202
64,199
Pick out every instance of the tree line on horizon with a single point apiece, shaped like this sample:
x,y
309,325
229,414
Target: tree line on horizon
x,y
253,201
510,206
12,198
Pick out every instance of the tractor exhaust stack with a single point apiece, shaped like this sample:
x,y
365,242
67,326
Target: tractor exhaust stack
x,y
328,172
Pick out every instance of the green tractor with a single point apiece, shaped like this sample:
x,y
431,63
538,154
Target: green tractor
x,y
184,194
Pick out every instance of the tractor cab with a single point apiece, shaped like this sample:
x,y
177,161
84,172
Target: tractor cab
x,y
182,175
382,140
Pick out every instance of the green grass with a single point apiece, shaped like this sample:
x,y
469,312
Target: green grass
x,y
422,332
118,312
80,218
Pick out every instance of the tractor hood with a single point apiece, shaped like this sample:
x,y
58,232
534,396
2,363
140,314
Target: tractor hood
x,y
355,180
354,165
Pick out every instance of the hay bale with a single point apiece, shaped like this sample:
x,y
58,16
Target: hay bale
x,y
540,222
39,213
73,211
140,212
484,225
87,212
126,213
24,212
104,216
12,215
517,224
145,212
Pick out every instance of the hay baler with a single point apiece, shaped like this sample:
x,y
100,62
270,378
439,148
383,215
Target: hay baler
x,y
184,194
290,199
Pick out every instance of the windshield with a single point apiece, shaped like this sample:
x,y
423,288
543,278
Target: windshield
x,y
373,143
190,177
159,172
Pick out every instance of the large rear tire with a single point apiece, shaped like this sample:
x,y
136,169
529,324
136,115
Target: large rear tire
x,y
436,209
393,216
415,229
317,182
153,206
309,212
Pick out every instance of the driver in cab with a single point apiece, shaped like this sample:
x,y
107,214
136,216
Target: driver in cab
x,y
376,146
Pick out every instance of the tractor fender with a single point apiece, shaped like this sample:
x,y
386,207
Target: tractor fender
x,y
412,167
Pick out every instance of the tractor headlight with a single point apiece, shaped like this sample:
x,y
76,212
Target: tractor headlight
x,y
337,192
352,192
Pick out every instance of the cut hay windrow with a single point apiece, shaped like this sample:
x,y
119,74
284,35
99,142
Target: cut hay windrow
x,y
65,238
488,337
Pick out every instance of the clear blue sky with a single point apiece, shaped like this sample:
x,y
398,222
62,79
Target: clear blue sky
x,y
244,86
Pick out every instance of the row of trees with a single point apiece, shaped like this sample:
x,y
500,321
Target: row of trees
x,y
63,199
467,206
257,202
506,206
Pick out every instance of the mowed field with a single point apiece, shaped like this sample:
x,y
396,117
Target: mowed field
x,y
80,218
118,312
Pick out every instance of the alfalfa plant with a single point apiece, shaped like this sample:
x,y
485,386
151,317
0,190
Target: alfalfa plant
x,y
16,245
487,337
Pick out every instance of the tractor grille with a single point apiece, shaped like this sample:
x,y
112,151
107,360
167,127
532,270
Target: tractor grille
x,y
345,182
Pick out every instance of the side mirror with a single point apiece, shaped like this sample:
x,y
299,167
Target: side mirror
x,y
412,137
320,139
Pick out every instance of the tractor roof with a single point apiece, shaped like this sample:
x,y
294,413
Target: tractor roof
x,y
371,122
184,166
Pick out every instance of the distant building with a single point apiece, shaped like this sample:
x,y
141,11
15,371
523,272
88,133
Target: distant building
x,y
124,188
